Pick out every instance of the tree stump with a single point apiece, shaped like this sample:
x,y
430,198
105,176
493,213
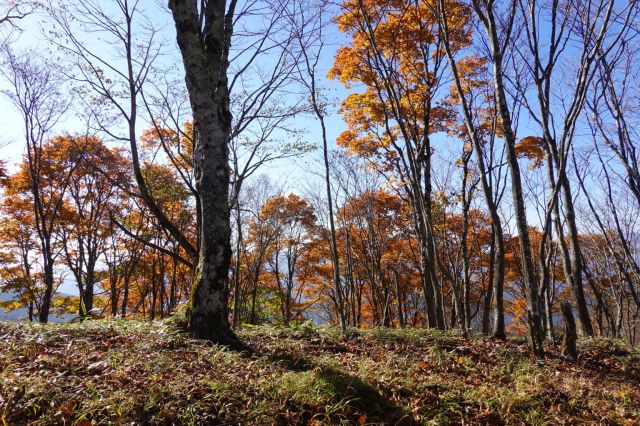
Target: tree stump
x,y
568,347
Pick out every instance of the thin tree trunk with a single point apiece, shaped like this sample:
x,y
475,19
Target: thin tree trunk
x,y
236,276
533,305
399,298
486,311
496,223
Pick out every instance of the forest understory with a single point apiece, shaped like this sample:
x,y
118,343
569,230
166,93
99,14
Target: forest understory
x,y
141,372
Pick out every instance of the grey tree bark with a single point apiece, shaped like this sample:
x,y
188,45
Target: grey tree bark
x,y
485,12
487,189
204,37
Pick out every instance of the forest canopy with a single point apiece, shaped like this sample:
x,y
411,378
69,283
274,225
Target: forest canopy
x,y
446,164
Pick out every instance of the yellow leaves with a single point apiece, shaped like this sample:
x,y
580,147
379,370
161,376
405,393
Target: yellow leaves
x,y
379,204
346,139
458,22
400,31
164,184
65,304
363,111
181,141
11,305
366,147
177,144
151,137
472,66
372,129
344,65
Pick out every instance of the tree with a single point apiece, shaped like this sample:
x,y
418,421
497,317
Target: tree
x,y
498,24
19,275
601,27
35,92
204,36
11,12
117,86
397,58
477,133
375,220
291,219
85,219
308,32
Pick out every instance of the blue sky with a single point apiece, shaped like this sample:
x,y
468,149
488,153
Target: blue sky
x,y
293,173
297,173
31,39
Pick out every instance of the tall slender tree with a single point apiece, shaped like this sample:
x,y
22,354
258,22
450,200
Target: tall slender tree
x,y
498,23
35,90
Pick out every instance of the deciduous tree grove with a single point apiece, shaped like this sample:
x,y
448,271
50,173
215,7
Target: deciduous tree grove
x,y
477,170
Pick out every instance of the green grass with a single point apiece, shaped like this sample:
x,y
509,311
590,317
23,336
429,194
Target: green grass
x,y
124,372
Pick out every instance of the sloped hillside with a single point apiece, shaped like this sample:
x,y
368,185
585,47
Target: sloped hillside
x,y
124,372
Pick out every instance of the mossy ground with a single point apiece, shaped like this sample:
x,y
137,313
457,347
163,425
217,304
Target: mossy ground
x,y
124,372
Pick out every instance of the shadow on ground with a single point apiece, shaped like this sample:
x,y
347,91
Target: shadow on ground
x,y
361,395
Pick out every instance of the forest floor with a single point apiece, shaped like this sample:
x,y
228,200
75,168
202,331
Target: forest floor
x,y
134,372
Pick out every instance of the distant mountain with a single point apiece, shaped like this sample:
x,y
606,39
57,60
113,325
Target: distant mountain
x,y
23,315
16,315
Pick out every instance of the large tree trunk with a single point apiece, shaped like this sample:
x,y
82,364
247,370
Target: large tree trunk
x,y
204,37
396,276
488,297
431,245
571,254
113,290
466,279
208,303
568,347
172,287
498,283
576,260
89,286
533,304
335,261
429,295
